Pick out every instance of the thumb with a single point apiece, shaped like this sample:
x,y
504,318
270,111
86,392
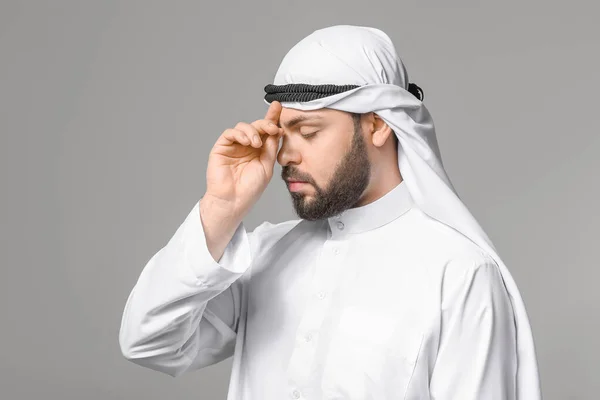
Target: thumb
x,y
273,112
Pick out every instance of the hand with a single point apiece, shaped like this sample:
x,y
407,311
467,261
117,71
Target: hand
x,y
240,169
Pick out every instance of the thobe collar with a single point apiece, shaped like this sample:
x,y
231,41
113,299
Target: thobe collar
x,y
373,215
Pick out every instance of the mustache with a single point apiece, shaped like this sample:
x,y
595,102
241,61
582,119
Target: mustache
x,y
288,173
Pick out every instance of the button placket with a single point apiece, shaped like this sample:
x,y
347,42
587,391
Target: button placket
x,y
328,265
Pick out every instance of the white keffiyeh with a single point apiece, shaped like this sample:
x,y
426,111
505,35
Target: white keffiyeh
x,y
365,56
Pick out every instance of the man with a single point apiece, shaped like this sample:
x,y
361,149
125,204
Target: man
x,y
385,287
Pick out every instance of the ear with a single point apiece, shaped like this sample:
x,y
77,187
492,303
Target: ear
x,y
381,131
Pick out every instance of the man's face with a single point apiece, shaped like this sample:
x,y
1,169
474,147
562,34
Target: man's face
x,y
327,151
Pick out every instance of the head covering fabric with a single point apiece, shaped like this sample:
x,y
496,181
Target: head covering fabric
x,y
356,69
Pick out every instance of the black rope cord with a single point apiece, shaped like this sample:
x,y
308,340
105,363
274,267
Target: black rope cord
x,y
307,92
416,91
303,91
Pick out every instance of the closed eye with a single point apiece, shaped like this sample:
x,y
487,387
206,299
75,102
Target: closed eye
x,y
309,135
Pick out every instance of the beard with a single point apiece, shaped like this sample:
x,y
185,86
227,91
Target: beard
x,y
343,191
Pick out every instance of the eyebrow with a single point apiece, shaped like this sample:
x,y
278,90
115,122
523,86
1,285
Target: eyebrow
x,y
301,118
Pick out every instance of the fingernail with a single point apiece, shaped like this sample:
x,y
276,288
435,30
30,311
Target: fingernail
x,y
272,124
255,138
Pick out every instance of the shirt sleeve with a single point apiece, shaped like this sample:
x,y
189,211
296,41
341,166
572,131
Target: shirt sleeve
x,y
477,351
184,309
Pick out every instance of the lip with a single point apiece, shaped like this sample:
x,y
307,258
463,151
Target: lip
x,y
295,186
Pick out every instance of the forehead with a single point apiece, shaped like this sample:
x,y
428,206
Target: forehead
x,y
291,116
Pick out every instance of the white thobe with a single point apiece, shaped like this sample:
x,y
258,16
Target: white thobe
x,y
381,302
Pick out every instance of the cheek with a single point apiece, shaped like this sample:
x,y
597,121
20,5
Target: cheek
x,y
322,163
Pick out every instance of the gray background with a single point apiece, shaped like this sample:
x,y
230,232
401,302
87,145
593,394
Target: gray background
x,y
108,111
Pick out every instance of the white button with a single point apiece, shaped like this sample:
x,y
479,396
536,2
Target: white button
x,y
308,337
296,394
336,251
321,295
340,225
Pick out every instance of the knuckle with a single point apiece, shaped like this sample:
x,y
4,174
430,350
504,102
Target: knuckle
x,y
236,133
266,126
229,132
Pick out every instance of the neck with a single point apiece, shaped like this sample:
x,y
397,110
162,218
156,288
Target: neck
x,y
380,186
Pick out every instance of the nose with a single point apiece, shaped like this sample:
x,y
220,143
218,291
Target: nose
x,y
287,154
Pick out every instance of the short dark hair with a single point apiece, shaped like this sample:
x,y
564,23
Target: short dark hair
x,y
356,118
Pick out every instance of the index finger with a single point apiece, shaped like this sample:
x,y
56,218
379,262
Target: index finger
x,y
273,112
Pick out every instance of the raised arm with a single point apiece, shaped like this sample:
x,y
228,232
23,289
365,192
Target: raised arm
x,y
184,310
